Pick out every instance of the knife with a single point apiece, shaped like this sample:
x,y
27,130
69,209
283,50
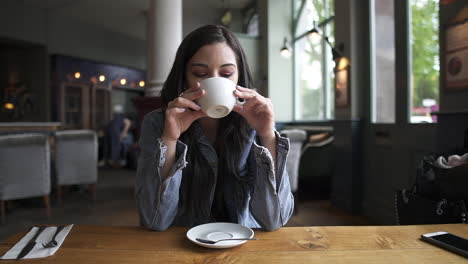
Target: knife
x,y
30,245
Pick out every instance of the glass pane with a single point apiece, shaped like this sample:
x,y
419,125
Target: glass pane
x,y
124,98
383,96
314,66
73,111
425,60
311,102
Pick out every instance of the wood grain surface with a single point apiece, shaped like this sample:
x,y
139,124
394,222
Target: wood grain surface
x,y
333,244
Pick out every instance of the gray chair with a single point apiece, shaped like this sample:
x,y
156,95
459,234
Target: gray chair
x,y
24,168
76,159
319,153
296,139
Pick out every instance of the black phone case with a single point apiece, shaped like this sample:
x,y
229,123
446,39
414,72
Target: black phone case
x,y
445,245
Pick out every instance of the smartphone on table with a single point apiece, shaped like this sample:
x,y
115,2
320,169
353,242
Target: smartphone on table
x,y
448,241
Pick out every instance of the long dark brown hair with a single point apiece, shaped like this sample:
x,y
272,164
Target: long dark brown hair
x,y
198,179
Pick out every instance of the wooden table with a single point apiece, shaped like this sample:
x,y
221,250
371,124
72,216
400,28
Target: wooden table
x,y
338,244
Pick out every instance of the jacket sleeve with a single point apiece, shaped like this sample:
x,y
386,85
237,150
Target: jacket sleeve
x,y
157,200
271,201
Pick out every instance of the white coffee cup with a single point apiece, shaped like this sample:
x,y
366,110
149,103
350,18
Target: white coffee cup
x,y
219,99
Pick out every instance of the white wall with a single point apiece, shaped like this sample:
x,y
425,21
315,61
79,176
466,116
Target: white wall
x,y
195,18
22,23
86,41
62,35
251,46
275,15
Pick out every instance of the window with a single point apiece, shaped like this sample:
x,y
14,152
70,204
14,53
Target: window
x,y
383,61
313,74
425,59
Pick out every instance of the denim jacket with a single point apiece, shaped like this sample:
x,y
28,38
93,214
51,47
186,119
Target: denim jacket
x,y
268,203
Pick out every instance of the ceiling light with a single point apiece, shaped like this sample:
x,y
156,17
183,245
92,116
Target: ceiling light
x,y
285,52
314,35
9,106
343,63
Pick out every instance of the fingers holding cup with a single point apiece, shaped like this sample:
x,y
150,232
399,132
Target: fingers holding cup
x,y
193,93
250,99
258,110
187,99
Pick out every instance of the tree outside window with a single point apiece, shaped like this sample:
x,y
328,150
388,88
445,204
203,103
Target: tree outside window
x,y
425,59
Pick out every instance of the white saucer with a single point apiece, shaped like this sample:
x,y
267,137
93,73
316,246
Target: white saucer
x,y
216,231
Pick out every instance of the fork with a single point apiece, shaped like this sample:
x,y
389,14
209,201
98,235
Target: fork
x,y
53,242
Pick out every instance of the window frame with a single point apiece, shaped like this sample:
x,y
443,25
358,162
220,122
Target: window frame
x,y
410,102
325,61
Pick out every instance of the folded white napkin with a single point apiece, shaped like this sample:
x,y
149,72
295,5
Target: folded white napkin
x,y
39,251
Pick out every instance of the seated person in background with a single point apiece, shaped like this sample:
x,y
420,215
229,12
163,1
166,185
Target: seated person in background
x,y
194,169
118,138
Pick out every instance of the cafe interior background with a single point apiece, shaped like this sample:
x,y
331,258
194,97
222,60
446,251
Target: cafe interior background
x,y
365,80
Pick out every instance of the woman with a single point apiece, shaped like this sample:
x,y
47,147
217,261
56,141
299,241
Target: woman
x,y
194,169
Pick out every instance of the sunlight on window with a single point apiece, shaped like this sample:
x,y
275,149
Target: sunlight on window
x,y
313,64
383,61
311,74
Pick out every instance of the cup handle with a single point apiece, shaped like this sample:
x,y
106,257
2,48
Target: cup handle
x,y
240,101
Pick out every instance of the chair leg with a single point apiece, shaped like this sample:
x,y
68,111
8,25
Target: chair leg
x,y
47,205
59,195
2,209
92,189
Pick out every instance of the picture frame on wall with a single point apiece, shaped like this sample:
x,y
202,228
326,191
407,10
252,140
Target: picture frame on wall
x,y
455,56
342,91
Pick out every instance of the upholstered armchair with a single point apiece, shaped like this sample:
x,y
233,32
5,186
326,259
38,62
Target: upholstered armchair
x,y
24,168
296,139
76,159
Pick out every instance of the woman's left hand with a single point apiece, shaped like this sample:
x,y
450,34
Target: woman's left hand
x,y
258,111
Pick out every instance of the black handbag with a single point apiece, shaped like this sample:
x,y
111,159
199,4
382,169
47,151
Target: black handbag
x,y
413,209
438,196
435,182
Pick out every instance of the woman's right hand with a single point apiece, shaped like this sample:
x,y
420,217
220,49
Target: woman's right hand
x,y
181,112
